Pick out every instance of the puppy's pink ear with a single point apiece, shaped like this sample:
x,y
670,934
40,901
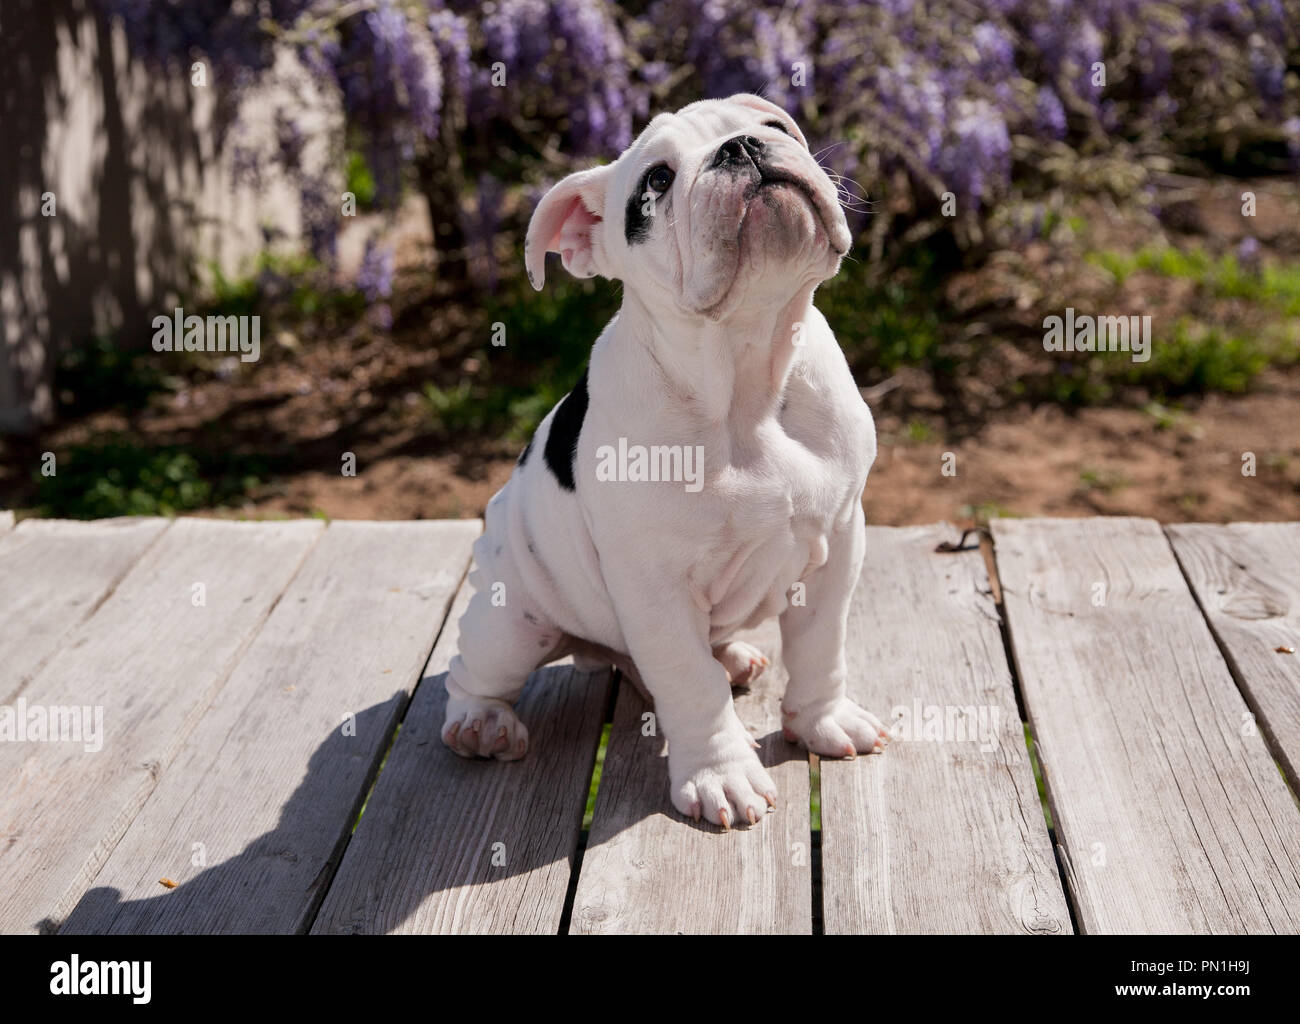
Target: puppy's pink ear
x,y
567,221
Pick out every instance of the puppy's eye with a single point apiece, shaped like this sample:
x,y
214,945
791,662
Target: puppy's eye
x,y
778,126
660,179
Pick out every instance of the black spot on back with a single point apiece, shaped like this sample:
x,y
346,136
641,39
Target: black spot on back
x,y
562,442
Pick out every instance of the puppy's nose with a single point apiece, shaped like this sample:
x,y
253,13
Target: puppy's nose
x,y
743,150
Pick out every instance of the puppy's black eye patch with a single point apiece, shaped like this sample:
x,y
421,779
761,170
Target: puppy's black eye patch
x,y
655,182
779,126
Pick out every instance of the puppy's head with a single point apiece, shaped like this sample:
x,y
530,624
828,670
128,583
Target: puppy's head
x,y
717,207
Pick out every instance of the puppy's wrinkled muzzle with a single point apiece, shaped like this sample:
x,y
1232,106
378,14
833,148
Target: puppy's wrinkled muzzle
x,y
750,158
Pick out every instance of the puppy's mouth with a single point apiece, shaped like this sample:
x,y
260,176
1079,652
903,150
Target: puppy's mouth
x,y
773,178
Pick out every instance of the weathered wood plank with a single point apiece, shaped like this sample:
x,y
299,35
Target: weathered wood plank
x,y
1247,579
53,575
1171,817
649,870
270,781
149,662
944,832
448,845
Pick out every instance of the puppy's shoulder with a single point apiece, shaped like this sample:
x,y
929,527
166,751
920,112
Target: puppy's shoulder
x,y
822,404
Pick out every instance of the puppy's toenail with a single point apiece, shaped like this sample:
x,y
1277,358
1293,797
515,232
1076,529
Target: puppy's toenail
x,y
749,813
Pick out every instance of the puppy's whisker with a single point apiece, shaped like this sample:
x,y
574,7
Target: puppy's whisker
x,y
842,183
858,197
830,173
827,149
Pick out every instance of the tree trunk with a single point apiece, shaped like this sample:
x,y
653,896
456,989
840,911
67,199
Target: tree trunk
x,y
441,177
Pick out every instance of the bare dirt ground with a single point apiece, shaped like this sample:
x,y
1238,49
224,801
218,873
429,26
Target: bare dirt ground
x,y
1103,461
1186,466
1028,463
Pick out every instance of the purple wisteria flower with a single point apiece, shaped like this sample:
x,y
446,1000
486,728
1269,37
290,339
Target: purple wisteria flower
x,y
1248,250
925,98
375,278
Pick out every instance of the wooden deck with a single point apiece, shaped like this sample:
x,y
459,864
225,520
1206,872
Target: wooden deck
x,y
253,677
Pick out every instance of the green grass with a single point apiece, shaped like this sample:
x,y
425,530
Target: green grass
x,y
117,477
1194,358
884,325
595,777
918,432
549,335
392,742
1106,480
1165,418
359,181
1190,356
1187,358
100,375
815,799
301,280
981,514
465,407
1038,774
1274,285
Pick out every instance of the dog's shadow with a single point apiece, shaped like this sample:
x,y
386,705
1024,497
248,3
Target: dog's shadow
x,y
253,890
434,823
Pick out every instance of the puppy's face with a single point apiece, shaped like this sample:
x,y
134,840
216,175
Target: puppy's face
x,y
717,207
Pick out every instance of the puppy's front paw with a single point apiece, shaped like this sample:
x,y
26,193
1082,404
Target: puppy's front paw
x,y
837,729
484,727
724,783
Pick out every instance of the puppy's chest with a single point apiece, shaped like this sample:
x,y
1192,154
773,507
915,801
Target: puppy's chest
x,y
781,510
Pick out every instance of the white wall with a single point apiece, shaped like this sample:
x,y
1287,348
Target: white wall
x,y
144,190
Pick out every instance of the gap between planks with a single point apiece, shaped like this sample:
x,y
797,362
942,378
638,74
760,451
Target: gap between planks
x,y
1246,579
152,658
945,831
1170,817
270,781
449,845
647,869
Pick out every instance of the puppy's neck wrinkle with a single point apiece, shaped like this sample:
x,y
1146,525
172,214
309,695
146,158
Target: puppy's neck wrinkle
x,y
731,372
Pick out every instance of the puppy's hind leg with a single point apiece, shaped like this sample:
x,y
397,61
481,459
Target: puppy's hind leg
x,y
744,662
499,646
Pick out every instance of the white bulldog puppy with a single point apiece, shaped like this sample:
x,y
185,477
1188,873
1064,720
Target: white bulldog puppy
x,y
712,456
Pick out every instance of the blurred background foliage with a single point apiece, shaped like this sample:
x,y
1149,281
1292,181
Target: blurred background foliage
x,y
1000,102
998,159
